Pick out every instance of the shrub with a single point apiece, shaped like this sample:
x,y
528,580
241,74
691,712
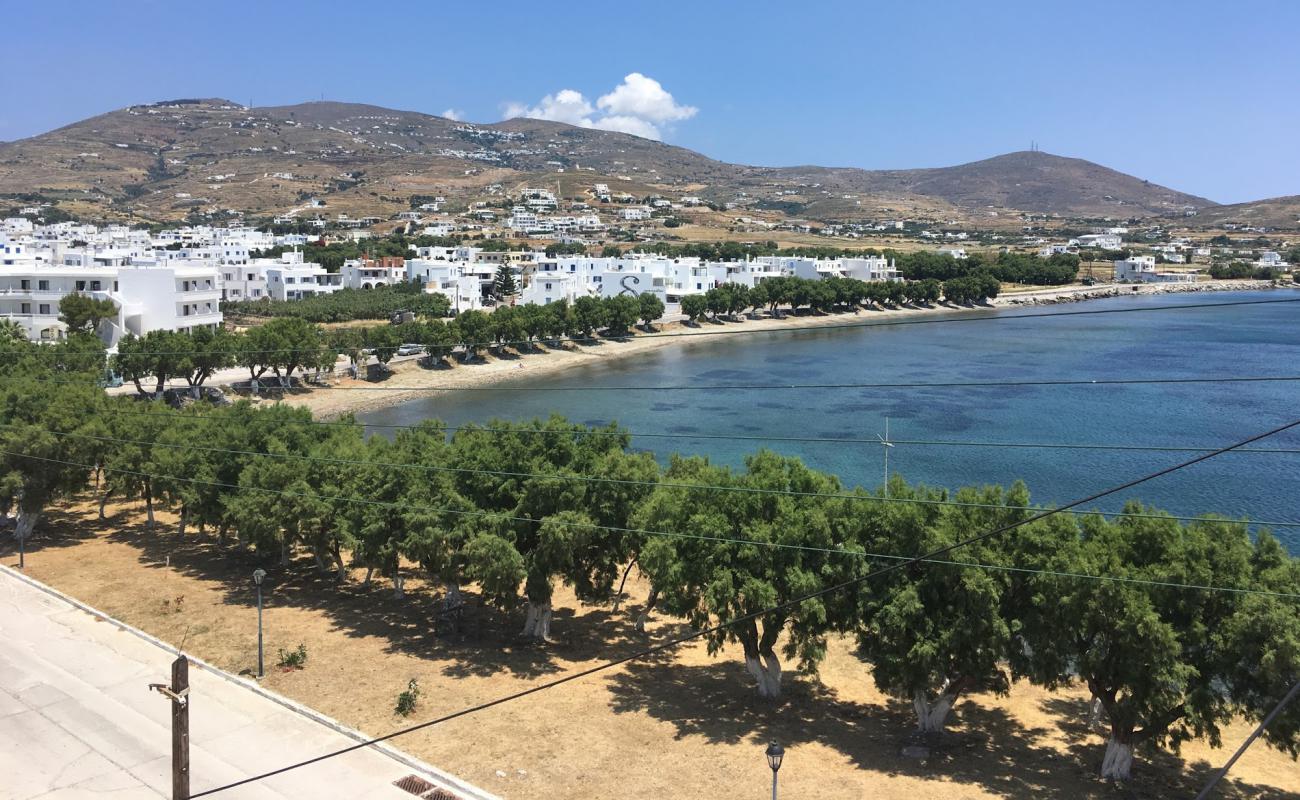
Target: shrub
x,y
294,659
406,701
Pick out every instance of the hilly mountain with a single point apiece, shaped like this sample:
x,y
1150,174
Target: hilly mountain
x,y
1275,212
166,160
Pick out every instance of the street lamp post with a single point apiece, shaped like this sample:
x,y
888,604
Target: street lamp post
x,y
775,753
258,576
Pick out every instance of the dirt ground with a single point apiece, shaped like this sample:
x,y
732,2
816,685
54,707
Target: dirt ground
x,y
683,724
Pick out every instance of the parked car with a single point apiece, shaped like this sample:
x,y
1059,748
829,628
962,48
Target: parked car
x,y
410,349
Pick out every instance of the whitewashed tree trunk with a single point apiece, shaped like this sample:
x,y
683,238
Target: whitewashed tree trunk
x,y
180,526
284,553
772,674
767,674
148,507
399,583
102,502
644,616
1095,712
454,598
370,573
1118,763
25,524
931,717
320,562
537,622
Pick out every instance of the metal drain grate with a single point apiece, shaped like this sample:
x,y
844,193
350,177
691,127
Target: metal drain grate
x,y
440,794
413,784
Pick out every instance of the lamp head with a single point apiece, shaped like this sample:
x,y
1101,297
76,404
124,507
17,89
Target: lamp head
x,y
775,753
258,576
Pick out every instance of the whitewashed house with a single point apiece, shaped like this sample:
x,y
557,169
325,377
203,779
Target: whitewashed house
x,y
373,273
1142,269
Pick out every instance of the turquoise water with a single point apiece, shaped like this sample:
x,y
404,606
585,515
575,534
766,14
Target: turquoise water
x,y
1231,341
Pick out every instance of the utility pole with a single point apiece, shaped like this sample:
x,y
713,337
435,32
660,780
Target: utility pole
x,y
179,694
886,444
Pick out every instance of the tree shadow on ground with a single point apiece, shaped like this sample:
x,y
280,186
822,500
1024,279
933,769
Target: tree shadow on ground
x,y
1156,772
487,641
58,528
986,747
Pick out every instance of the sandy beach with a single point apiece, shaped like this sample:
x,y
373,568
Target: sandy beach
x,y
346,396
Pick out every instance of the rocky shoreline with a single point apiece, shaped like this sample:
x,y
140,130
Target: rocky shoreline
x,y
1056,297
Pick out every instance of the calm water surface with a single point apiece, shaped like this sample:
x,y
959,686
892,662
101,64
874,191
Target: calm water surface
x,y
1232,341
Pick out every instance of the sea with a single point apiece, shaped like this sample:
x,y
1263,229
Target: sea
x,y
675,400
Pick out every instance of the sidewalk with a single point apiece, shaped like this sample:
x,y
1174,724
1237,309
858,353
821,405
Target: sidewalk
x,y
77,719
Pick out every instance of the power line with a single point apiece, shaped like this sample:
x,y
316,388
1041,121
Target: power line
x,y
671,643
618,481
730,540
793,329
766,387
494,431
1220,773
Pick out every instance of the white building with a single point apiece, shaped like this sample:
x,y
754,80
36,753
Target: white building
x,y
373,273
1142,269
296,281
1271,258
670,279
463,286
149,295
1104,241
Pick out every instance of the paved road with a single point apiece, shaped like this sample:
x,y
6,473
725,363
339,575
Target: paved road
x,y
76,719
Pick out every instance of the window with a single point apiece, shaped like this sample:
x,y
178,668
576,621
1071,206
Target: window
x,y
43,286
27,308
25,284
94,286
45,308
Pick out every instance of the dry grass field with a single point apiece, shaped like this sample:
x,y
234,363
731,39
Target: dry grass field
x,y
682,724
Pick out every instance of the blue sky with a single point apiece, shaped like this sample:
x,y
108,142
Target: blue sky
x,y
1197,95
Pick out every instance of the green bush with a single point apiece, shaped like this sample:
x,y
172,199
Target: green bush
x,y
407,700
346,305
294,659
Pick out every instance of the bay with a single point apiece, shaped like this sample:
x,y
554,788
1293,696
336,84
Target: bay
x,y
1003,347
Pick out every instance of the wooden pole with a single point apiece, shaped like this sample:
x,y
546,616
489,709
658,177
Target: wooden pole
x,y
181,729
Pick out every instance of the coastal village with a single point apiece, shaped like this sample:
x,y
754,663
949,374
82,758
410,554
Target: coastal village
x,y
447,402
177,278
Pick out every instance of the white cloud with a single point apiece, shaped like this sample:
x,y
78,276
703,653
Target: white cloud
x,y
625,124
566,105
639,106
454,114
639,96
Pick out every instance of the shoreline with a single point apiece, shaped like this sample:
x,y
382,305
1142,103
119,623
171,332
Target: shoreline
x,y
365,395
